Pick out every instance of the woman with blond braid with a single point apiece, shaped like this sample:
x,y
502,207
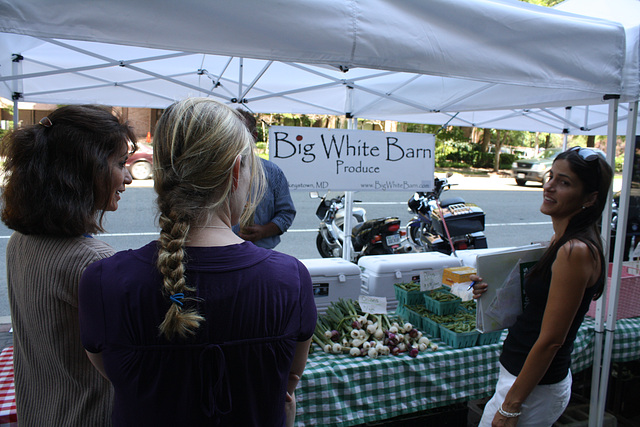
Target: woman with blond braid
x,y
200,327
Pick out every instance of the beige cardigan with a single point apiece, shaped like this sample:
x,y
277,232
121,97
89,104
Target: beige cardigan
x,y
55,383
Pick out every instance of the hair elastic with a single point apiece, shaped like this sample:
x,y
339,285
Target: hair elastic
x,y
176,298
46,122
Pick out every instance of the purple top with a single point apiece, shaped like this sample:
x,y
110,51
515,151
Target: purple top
x,y
257,303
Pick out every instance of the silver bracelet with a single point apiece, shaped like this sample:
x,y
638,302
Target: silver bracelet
x,y
508,414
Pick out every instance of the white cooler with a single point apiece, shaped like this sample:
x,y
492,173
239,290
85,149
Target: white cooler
x,y
380,272
333,278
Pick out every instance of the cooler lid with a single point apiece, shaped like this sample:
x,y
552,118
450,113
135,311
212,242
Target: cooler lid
x,y
381,264
330,267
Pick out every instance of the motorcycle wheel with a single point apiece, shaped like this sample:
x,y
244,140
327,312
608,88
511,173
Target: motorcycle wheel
x,y
323,247
415,236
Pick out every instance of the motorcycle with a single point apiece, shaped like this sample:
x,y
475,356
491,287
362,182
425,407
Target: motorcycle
x,y
368,237
444,225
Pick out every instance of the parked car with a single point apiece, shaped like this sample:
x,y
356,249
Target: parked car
x,y
535,169
140,163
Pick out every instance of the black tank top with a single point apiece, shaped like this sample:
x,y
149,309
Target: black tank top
x,y
524,333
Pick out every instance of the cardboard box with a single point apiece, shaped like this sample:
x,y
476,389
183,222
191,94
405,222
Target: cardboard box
x,y
333,278
380,272
453,275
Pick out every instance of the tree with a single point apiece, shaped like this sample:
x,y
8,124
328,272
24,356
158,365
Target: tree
x,y
486,139
498,146
547,3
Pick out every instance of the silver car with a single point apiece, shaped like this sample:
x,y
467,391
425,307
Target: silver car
x,y
535,169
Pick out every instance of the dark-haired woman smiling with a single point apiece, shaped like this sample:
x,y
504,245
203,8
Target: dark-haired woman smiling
x,y
534,386
62,175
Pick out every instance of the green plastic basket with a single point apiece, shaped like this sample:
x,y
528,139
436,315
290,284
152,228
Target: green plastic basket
x,y
430,327
489,337
405,297
441,307
411,316
458,340
469,306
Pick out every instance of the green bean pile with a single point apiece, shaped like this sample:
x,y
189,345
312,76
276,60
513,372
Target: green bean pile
x,y
442,296
458,316
469,305
420,309
409,287
461,327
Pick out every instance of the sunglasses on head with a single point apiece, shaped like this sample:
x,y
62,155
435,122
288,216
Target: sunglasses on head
x,y
586,153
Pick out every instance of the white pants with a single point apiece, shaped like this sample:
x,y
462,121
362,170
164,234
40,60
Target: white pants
x,y
542,408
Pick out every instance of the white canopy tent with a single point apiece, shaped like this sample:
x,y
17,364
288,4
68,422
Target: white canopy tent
x,y
395,60
575,118
292,56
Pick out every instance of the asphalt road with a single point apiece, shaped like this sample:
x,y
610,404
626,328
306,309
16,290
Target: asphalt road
x,y
512,217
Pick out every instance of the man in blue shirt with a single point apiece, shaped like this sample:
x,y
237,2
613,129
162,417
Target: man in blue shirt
x,y
275,213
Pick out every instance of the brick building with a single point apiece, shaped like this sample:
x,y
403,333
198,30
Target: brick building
x,y
143,120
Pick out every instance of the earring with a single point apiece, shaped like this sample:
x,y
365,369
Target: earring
x,y
584,207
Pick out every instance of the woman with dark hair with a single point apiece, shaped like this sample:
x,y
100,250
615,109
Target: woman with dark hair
x,y
200,327
534,385
61,176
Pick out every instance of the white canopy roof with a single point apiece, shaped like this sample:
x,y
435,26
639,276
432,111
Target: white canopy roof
x,y
578,119
404,58
410,60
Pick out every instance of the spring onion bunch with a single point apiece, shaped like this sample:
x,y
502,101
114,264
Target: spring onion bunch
x,y
346,329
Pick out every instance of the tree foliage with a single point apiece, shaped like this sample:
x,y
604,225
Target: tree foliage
x,y
547,3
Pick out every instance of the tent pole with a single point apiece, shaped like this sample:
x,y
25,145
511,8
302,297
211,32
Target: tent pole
x,y
605,233
565,131
16,70
347,247
612,302
16,113
240,74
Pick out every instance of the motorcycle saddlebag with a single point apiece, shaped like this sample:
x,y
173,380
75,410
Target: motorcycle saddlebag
x,y
461,218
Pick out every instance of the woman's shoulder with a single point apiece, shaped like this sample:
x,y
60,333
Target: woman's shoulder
x,y
97,246
135,264
62,247
577,250
284,258
146,254
269,260
275,259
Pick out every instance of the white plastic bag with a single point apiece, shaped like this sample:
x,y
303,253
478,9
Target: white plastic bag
x,y
507,304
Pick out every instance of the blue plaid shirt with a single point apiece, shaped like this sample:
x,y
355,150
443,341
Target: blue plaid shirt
x,y
276,206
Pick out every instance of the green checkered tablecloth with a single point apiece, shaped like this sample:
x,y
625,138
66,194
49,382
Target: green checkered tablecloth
x,y
339,390
626,342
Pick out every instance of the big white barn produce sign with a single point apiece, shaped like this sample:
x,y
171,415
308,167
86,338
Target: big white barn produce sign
x,y
353,160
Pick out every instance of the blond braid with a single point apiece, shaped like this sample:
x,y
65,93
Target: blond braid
x,y
177,321
196,145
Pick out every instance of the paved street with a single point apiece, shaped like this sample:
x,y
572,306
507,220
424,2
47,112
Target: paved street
x,y
512,218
